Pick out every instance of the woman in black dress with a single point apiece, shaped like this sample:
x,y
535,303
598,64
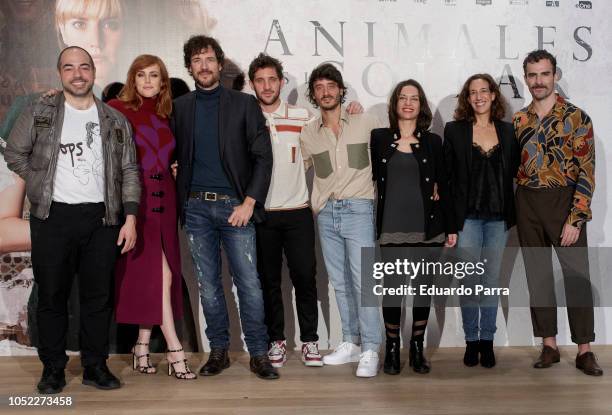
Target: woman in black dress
x,y
412,209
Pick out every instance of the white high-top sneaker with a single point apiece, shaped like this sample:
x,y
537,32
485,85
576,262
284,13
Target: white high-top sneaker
x,y
345,353
368,364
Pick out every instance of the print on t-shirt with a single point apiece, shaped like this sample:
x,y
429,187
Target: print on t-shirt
x,y
87,165
80,166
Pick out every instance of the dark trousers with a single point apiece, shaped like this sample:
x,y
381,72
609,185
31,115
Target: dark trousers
x,y
291,232
392,305
541,214
72,240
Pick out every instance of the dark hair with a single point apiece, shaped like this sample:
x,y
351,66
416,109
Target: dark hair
x,y
238,82
265,61
178,87
111,91
329,72
67,48
464,110
196,44
424,117
536,56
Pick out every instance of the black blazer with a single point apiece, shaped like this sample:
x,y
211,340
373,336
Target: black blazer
x,y
244,147
429,155
458,139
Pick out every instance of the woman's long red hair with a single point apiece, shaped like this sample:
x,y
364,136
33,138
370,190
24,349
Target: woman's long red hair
x,y
130,95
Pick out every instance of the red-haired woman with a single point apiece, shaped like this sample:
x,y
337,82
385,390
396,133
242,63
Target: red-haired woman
x,y
149,286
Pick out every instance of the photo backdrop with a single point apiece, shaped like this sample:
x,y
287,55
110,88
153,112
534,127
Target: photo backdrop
x,y
375,43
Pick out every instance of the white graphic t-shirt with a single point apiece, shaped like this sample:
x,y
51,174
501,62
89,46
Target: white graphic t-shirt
x,y
79,177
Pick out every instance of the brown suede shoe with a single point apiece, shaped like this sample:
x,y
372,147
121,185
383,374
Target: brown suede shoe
x,y
547,358
588,364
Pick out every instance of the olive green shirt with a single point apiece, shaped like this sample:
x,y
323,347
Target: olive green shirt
x,y
342,166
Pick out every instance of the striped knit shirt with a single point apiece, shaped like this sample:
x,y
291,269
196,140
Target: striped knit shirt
x,y
288,188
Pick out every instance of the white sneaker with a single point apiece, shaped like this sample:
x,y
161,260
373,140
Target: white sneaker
x,y
277,354
368,364
345,353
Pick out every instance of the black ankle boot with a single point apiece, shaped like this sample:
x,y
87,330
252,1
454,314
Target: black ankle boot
x,y
487,356
392,356
470,358
416,358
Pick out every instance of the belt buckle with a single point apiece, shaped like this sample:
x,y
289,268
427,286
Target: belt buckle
x,y
210,196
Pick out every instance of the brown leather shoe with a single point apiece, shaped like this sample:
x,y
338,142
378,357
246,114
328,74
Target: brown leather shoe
x,y
547,358
588,364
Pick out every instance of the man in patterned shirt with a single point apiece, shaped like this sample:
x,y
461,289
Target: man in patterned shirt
x,y
556,182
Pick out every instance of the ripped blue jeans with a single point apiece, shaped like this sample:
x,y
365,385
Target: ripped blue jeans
x,y
207,230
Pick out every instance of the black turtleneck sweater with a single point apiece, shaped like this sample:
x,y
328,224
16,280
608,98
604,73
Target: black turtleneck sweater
x,y
208,174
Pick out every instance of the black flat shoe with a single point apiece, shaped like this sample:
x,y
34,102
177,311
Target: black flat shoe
x,y
52,380
261,366
99,376
416,357
392,357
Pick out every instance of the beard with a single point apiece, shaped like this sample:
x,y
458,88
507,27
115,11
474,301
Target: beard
x,y
268,101
76,91
208,82
330,105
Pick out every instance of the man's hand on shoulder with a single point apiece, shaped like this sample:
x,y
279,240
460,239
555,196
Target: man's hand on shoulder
x,y
50,93
354,107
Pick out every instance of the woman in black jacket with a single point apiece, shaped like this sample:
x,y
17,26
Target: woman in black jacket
x,y
408,167
482,158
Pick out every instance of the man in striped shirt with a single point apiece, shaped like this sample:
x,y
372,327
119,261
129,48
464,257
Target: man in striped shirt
x,y
289,225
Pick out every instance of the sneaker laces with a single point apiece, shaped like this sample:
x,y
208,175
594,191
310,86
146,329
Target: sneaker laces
x,y
312,348
342,346
367,356
217,354
276,349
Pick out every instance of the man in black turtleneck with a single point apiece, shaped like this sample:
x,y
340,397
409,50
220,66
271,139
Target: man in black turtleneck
x,y
224,168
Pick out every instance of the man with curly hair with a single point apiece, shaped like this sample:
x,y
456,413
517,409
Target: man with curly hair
x,y
336,143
